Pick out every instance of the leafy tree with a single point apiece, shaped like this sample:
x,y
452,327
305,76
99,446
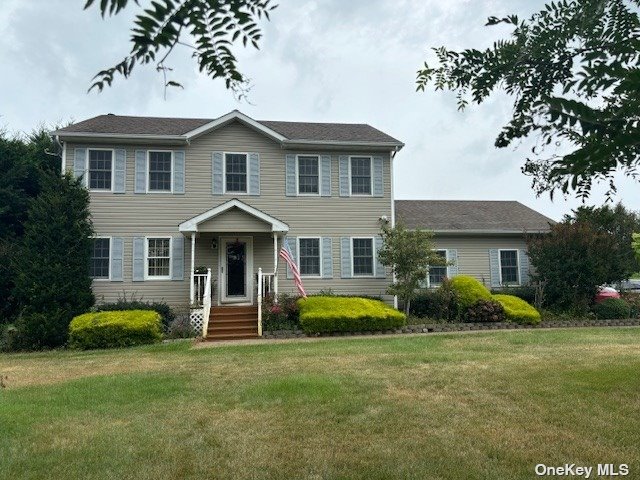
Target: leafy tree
x,y
620,223
635,244
573,70
52,275
571,262
209,28
409,254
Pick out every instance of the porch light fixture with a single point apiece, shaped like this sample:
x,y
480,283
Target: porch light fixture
x,y
214,244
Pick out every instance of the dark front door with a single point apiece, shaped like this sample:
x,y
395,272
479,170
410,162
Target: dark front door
x,y
236,269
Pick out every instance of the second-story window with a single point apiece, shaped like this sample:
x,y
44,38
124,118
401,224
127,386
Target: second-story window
x,y
159,171
100,169
361,175
235,172
308,175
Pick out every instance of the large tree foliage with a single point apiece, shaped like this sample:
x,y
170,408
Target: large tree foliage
x,y
208,28
573,71
409,254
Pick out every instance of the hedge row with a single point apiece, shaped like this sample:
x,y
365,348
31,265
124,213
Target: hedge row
x,y
115,329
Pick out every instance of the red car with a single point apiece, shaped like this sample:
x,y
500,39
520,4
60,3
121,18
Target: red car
x,y
605,292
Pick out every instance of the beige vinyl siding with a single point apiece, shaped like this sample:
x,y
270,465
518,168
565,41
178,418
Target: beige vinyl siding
x,y
473,252
130,215
234,220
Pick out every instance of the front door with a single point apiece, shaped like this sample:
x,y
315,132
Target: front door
x,y
235,270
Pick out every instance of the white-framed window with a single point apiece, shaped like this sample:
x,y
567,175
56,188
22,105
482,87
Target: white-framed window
x,y
100,263
100,169
308,174
362,257
437,273
160,170
509,267
360,175
236,172
310,256
158,258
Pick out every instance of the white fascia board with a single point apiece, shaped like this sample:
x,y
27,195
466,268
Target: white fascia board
x,y
192,224
229,117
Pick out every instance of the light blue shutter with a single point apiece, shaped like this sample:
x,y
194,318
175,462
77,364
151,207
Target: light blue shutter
x,y
117,251
178,172
378,185
80,163
292,242
177,258
217,182
524,267
254,174
343,170
327,257
325,175
380,269
290,176
345,257
141,171
120,171
494,267
452,256
138,259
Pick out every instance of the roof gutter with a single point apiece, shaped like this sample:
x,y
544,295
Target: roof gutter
x,y
487,232
121,137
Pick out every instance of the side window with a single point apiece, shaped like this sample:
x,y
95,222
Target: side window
x,y
438,273
100,169
158,258
360,175
100,258
309,256
308,175
235,172
509,273
362,249
160,165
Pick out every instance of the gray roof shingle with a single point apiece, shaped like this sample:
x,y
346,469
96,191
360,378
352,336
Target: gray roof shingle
x,y
314,132
470,216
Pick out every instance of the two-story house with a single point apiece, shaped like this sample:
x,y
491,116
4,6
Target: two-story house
x,y
195,211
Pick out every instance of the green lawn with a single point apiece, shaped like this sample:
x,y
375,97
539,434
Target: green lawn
x,y
489,405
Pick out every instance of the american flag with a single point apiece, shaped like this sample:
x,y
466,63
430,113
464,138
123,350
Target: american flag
x,y
287,256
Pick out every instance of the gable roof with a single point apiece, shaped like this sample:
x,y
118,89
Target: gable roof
x,y
185,129
470,216
191,225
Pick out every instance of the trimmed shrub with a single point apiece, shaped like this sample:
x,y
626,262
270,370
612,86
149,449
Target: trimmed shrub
x,y
123,303
612,308
517,310
38,331
469,290
115,329
439,304
485,311
283,315
341,314
525,292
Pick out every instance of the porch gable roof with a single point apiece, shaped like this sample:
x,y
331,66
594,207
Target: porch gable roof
x,y
191,225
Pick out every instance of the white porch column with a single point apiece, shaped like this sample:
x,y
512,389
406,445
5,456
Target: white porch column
x,y
275,267
192,291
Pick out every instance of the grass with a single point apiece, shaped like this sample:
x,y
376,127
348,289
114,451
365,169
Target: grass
x,y
489,405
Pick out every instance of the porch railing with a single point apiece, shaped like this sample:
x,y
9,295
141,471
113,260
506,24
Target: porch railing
x,y
206,303
267,286
199,282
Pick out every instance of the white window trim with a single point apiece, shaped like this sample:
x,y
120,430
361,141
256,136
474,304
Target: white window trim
x,y
500,250
370,194
373,257
446,257
321,257
103,279
224,172
298,176
87,179
146,257
148,189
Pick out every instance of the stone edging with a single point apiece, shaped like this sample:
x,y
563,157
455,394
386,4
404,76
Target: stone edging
x,y
459,327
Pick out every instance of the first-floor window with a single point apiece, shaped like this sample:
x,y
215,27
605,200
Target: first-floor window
x,y
100,169
99,265
437,273
158,257
310,256
363,256
509,267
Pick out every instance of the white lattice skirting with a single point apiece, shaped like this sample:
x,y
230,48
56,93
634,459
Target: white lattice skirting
x,y
197,319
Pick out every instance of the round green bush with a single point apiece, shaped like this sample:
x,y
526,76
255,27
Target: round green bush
x,y
468,290
115,329
612,308
517,310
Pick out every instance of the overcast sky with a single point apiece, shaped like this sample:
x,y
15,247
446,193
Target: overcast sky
x,y
325,60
